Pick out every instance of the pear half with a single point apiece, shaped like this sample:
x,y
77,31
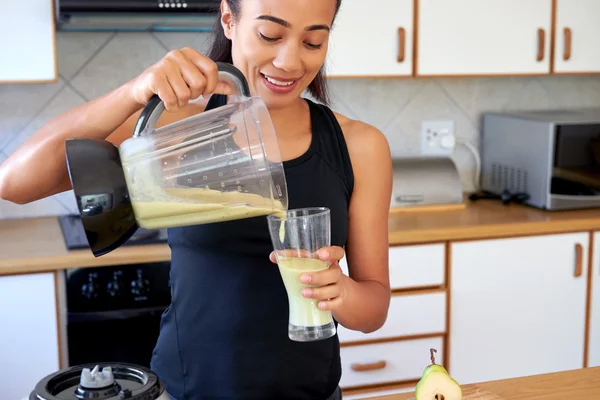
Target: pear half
x,y
437,385
433,368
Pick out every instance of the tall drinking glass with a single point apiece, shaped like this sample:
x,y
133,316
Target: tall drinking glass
x,y
297,237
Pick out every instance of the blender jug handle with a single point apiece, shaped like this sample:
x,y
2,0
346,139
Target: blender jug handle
x,y
155,106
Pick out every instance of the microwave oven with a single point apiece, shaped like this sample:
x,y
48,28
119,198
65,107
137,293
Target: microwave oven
x,y
551,156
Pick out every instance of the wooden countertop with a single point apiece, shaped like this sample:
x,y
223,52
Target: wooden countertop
x,y
484,219
580,384
36,245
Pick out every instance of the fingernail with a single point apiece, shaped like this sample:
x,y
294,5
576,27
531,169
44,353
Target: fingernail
x,y
306,292
305,279
324,253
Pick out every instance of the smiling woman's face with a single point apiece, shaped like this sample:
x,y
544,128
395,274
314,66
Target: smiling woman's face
x,y
280,46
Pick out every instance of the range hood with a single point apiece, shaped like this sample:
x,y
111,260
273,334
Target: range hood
x,y
136,15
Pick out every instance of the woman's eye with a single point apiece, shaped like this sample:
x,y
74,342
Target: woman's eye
x,y
314,46
266,38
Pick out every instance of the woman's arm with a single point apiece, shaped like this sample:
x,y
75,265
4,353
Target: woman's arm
x,y
38,169
367,289
361,300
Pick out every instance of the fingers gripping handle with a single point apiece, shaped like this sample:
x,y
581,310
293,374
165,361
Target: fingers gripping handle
x,y
155,106
234,77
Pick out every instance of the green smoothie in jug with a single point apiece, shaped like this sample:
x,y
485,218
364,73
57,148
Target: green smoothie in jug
x,y
191,206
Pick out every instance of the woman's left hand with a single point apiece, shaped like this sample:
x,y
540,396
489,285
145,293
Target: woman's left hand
x,y
330,284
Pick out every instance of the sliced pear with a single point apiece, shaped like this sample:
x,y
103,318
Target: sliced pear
x,y
438,386
436,383
433,368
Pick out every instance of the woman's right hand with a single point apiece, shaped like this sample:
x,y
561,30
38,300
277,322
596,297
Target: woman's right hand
x,y
182,75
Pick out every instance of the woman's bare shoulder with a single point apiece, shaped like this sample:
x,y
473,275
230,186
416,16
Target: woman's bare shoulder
x,y
361,136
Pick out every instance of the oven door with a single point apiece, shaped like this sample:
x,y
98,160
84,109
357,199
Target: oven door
x,y
126,336
113,313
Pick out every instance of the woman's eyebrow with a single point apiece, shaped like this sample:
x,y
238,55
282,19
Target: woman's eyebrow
x,y
286,24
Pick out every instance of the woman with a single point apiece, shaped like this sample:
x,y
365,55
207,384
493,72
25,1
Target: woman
x,y
225,333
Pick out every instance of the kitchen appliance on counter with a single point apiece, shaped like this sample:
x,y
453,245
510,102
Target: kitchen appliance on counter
x,y
550,158
425,181
219,165
103,381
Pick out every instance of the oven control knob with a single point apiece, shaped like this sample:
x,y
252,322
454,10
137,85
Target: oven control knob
x,y
140,286
115,286
89,290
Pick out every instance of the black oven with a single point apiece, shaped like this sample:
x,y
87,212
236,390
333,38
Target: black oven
x,y
113,313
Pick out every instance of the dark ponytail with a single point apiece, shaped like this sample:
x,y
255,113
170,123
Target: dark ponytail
x,y
220,50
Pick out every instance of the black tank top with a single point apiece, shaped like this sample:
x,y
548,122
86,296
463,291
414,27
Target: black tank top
x,y
225,333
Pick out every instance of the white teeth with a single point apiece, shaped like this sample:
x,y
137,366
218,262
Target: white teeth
x,y
276,82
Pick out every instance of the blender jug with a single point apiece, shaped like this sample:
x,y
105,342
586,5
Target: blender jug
x,y
219,165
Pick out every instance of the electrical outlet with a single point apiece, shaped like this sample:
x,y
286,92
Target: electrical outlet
x,y
437,137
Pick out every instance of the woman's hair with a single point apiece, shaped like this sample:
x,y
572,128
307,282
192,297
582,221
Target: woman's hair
x,y
220,50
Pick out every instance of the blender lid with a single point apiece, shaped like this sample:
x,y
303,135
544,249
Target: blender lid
x,y
100,382
101,193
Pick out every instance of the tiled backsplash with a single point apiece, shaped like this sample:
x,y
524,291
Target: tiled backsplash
x,y
91,64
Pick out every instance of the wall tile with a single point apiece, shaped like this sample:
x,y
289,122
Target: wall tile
x,y
573,91
474,95
179,40
533,96
64,101
67,201
76,48
375,101
20,103
124,57
432,103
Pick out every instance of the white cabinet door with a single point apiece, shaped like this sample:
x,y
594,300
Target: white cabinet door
x,y
594,334
27,44
414,266
369,41
28,332
491,37
517,306
577,33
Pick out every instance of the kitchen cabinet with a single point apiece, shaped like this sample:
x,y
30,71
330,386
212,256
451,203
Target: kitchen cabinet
x,y
382,363
594,332
414,267
391,359
28,333
518,306
372,41
411,314
577,31
28,45
492,37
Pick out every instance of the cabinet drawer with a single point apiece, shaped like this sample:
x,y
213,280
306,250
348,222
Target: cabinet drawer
x,y
417,266
391,361
414,266
413,314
